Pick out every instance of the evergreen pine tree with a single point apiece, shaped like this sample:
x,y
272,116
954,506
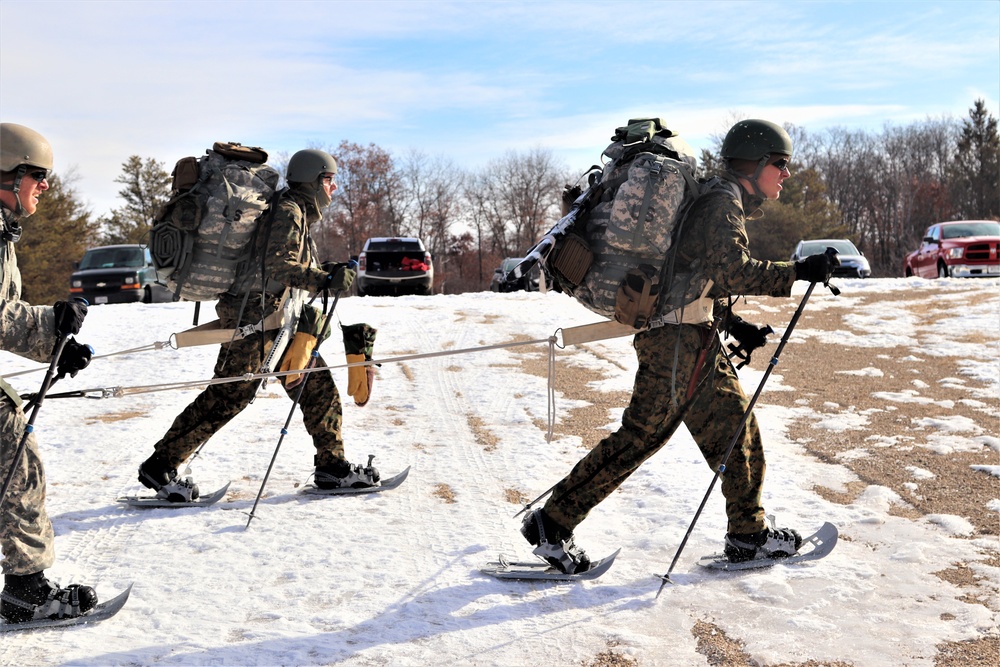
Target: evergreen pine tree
x,y
55,237
975,172
147,188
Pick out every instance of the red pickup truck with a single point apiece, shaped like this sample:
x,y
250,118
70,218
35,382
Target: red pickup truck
x,y
958,249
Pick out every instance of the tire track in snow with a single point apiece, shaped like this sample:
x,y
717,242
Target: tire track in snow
x,y
476,463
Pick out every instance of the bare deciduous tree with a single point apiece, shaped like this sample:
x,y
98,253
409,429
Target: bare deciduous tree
x,y
516,197
433,203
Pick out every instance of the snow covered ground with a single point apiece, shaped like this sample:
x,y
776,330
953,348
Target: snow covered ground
x,y
392,578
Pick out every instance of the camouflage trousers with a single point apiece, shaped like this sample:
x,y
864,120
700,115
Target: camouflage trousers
x,y
26,535
714,413
322,412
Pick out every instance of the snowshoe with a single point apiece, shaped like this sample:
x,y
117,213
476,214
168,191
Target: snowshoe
x,y
768,543
157,474
346,475
32,597
553,544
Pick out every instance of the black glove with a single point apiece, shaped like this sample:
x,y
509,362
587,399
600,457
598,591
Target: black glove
x,y
69,316
817,268
74,358
339,277
749,336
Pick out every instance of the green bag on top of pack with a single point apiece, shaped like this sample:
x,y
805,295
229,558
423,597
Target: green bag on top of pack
x,y
201,238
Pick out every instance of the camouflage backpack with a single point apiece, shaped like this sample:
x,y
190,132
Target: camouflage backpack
x,y
201,239
615,257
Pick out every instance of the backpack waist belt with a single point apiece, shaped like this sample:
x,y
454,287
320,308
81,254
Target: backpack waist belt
x,y
698,311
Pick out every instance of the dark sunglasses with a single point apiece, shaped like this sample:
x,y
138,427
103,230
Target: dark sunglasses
x,y
39,176
781,164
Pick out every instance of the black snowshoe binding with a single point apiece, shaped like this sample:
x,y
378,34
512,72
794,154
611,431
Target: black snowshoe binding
x,y
33,597
768,543
345,475
553,544
155,473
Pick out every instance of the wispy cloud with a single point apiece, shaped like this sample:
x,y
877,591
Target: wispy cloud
x,y
471,79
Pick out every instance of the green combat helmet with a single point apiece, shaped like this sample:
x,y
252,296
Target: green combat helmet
x,y
304,171
756,140
307,165
21,149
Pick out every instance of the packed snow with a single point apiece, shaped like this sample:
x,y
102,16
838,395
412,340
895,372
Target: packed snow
x,y
393,578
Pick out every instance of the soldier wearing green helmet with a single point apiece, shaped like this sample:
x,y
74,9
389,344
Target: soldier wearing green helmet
x,y
684,374
34,332
748,148
284,256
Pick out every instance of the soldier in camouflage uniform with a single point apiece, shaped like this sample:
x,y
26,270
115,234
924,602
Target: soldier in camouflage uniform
x,y
671,386
33,332
289,259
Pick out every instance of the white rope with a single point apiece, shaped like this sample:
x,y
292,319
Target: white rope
x,y
118,392
159,345
551,390
247,377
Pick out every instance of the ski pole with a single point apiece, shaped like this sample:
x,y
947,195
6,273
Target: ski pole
x,y
295,402
665,578
30,427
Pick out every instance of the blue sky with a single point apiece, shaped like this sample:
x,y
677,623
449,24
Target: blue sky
x,y
471,80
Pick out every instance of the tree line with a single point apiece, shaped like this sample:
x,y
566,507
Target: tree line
x,y
879,189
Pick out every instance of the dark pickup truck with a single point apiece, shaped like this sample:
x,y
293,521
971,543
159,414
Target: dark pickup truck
x,y
117,274
394,266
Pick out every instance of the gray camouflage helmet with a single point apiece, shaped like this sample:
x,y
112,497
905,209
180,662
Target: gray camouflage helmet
x,y
753,139
22,145
307,165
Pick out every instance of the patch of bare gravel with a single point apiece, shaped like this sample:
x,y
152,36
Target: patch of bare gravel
x,y
892,445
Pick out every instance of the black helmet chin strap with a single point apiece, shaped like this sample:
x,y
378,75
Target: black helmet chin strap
x,y
753,179
15,187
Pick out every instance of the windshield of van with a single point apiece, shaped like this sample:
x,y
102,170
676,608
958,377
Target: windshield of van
x,y
112,258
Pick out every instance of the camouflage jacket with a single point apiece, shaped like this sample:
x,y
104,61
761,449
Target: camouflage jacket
x,y
25,330
714,246
289,260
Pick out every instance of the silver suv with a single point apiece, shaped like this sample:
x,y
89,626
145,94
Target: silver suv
x,y
853,263
394,266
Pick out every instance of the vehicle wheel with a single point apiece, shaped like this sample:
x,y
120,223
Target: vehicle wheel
x,y
942,270
147,295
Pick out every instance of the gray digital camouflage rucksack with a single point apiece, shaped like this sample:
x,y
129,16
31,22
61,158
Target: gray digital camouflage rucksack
x,y
614,255
201,239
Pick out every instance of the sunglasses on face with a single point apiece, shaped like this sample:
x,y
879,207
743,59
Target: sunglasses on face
x,y
39,176
781,164
329,178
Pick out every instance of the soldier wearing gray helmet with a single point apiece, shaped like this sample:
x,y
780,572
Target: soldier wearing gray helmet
x,y
26,534
284,255
684,374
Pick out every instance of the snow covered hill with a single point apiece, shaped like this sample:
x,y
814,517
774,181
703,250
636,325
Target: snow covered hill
x,y
392,578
